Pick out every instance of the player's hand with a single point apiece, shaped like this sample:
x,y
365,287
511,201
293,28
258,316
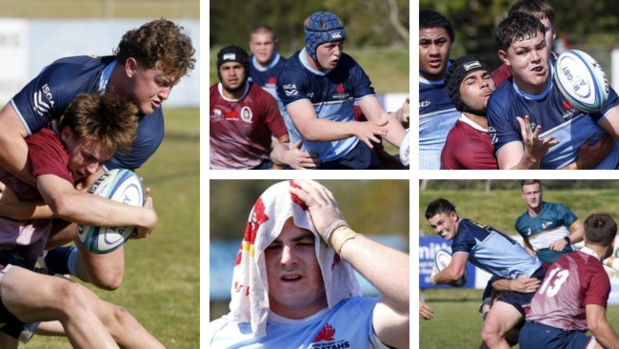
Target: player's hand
x,y
150,221
558,245
300,160
590,155
533,144
425,312
320,202
403,114
524,284
371,131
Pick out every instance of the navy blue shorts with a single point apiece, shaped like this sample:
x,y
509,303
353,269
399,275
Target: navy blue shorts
x,y
521,301
534,336
13,326
360,157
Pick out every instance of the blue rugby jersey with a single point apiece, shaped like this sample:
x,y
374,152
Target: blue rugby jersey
x,y
437,116
266,77
557,117
332,93
493,251
46,97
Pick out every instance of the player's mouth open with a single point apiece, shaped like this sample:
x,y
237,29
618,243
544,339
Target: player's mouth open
x,y
443,233
291,278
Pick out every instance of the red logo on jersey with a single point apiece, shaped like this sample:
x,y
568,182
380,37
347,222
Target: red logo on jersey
x,y
326,334
566,105
272,80
231,115
340,88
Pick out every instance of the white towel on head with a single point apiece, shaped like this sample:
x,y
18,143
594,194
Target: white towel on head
x,y
250,293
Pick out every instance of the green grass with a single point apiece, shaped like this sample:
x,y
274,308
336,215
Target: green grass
x,y
100,8
457,322
161,287
387,68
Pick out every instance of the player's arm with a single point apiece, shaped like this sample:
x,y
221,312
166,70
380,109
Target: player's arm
x,y
14,154
83,208
522,284
385,268
610,122
577,234
599,326
322,130
374,112
453,272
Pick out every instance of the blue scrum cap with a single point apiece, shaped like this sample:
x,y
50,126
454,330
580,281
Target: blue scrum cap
x,y
322,27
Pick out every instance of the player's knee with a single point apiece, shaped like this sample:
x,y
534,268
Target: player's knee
x,y
107,281
72,296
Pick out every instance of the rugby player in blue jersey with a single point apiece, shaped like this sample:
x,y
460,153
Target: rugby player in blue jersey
x,y
317,90
531,93
265,62
148,62
437,113
493,252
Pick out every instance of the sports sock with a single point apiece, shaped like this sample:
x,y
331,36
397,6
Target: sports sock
x,y
62,260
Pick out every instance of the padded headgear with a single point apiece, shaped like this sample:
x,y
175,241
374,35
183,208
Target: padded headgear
x,y
322,27
458,70
233,53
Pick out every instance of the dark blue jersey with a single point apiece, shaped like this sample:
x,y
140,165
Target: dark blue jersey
x,y
550,110
266,77
47,96
332,93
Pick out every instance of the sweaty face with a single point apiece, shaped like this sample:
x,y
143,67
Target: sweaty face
x,y
329,54
85,157
262,46
476,88
532,194
528,60
151,87
445,224
232,76
434,47
296,287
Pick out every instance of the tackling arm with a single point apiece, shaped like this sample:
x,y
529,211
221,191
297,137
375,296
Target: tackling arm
x,y
374,112
599,326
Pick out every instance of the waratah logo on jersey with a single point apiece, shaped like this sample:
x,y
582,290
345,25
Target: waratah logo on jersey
x,y
43,100
341,92
325,339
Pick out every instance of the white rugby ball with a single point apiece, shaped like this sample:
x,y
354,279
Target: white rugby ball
x,y
442,258
405,149
581,80
119,185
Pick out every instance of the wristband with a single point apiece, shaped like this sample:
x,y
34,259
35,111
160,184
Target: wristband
x,y
567,238
340,236
331,228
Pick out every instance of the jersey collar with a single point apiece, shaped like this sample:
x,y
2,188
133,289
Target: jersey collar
x,y
105,76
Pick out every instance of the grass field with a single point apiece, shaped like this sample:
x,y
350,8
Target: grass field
x,y
161,287
457,323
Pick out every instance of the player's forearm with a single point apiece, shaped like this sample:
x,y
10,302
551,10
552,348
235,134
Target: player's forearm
x,y
395,133
605,335
322,130
384,267
25,210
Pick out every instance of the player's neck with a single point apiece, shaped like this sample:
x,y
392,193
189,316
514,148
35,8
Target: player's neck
x,y
482,121
534,212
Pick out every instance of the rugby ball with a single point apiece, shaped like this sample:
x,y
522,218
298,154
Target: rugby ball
x,y
119,185
405,149
442,258
581,80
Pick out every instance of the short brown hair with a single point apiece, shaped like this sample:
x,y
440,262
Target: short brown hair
x,y
600,229
108,120
160,44
529,182
539,8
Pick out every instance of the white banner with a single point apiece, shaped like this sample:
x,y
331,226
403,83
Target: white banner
x,y
14,53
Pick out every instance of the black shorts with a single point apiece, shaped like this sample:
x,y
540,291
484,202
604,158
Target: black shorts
x,y
522,301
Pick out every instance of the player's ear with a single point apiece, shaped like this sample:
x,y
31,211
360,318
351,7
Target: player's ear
x,y
503,56
131,65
